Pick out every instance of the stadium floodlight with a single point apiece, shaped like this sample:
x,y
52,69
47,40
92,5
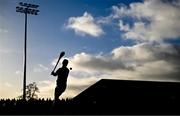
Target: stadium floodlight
x,y
28,5
26,9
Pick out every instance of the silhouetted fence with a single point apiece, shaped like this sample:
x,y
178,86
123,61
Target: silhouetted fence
x,y
34,106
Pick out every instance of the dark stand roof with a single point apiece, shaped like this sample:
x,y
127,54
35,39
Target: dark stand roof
x,y
131,97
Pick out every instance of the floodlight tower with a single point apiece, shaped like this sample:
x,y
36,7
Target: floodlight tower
x,y
26,9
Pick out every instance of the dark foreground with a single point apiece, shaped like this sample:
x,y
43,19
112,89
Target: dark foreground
x,y
107,97
69,107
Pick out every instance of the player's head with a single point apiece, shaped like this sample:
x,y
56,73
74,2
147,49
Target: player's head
x,y
65,62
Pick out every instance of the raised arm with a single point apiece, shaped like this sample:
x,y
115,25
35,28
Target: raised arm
x,y
54,73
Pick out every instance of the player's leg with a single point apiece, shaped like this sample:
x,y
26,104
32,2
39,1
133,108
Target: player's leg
x,y
62,89
57,93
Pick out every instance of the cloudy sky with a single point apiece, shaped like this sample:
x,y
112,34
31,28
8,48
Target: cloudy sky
x,y
114,39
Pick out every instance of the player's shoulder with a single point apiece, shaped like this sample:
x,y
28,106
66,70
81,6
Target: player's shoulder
x,y
67,69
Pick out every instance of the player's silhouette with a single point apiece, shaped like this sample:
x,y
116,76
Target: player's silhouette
x,y
61,81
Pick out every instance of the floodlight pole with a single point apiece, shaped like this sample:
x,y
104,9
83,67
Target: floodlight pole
x,y
26,9
25,54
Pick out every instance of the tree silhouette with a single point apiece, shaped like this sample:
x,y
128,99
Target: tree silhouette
x,y
31,90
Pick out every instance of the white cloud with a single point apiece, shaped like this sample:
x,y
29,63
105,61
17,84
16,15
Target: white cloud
x,y
155,20
40,68
138,61
157,68
95,63
143,52
85,24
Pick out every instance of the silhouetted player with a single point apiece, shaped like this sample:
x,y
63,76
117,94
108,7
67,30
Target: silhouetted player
x,y
61,81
